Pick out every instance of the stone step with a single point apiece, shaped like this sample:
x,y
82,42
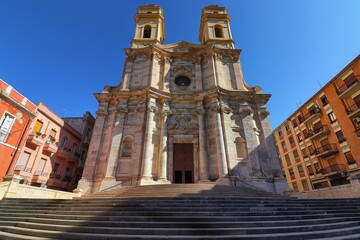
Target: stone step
x,y
210,230
355,230
197,224
192,218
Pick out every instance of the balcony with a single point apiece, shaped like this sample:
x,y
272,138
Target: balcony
x,y
349,88
354,110
334,170
312,115
319,132
40,176
35,139
50,147
74,157
326,150
63,153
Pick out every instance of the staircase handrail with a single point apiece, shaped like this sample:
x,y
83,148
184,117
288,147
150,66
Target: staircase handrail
x,y
234,178
119,184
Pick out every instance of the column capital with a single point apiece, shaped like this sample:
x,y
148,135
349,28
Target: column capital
x,y
246,110
151,107
263,112
101,113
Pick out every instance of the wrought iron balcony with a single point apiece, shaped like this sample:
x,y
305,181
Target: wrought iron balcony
x,y
354,110
312,115
347,89
318,132
326,150
335,169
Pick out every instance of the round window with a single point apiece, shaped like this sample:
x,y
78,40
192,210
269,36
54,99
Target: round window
x,y
182,81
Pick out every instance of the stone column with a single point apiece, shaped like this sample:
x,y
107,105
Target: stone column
x,y
215,108
116,141
203,159
127,72
148,151
105,146
198,73
92,159
252,139
163,144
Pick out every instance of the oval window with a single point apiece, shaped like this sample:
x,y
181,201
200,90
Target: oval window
x,y
182,81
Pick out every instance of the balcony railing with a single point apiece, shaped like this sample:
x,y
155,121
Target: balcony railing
x,y
337,168
67,179
319,131
351,110
312,114
22,168
326,150
35,138
41,173
50,147
345,88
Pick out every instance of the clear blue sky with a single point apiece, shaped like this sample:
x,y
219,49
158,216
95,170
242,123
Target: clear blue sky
x,y
60,52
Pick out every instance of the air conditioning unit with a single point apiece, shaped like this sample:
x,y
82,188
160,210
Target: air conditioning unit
x,y
357,120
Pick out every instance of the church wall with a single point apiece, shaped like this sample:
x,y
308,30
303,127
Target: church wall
x,y
208,73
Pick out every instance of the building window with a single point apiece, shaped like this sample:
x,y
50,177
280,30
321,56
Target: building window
x,y
291,140
340,136
240,148
332,117
283,145
73,151
287,159
87,135
54,173
280,133
127,146
299,137
304,153
294,122
349,158
52,136
40,167
291,172
218,31
324,100
147,31
22,162
6,124
287,127
296,154
63,143
295,187
37,127
305,185
300,169
310,170
83,155
300,118
317,167
311,150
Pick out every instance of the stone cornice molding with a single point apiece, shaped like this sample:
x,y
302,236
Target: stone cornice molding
x,y
101,113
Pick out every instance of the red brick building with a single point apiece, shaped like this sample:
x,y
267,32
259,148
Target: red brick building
x,y
319,144
16,115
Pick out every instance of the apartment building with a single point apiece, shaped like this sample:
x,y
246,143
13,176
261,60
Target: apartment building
x,y
16,115
319,144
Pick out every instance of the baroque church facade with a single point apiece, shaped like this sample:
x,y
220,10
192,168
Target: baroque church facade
x,y
182,114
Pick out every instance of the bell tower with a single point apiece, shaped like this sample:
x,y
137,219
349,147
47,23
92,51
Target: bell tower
x,y
215,27
150,27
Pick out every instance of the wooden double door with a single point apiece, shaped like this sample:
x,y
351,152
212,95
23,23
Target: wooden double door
x,y
183,157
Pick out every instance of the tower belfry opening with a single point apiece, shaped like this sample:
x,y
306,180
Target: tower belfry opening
x,y
182,113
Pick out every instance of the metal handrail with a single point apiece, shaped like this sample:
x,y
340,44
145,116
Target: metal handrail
x,y
119,184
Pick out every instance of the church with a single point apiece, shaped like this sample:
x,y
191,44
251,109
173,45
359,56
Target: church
x,y
182,114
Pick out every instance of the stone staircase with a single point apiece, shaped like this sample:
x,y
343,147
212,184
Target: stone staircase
x,y
194,211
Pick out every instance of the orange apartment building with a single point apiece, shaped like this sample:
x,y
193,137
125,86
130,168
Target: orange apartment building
x,y
16,115
319,144
51,153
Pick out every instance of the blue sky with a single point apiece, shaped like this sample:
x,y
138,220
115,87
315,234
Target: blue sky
x,y
60,52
